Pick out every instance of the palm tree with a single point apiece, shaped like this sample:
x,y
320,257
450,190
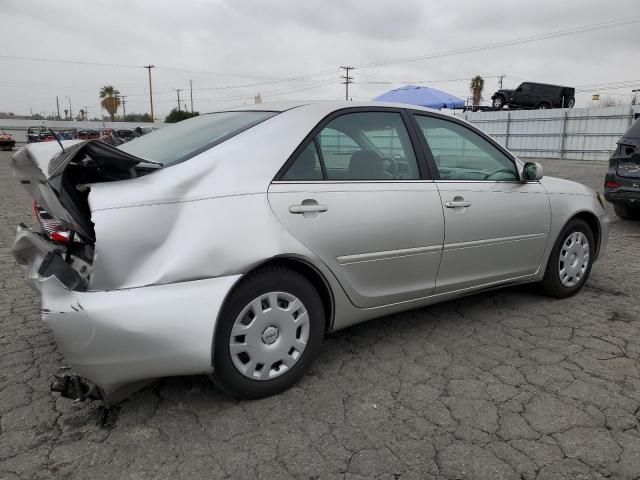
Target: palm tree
x,y
110,99
477,86
66,113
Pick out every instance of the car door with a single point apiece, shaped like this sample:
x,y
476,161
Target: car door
x,y
356,196
522,96
496,227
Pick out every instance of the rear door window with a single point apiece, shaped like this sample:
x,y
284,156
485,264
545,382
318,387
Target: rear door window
x,y
368,146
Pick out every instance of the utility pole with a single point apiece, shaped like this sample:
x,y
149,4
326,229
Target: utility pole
x,y
70,112
124,105
149,67
191,93
347,80
178,90
500,77
58,106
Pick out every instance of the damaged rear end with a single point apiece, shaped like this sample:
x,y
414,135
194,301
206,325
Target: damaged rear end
x,y
134,258
59,182
622,180
57,256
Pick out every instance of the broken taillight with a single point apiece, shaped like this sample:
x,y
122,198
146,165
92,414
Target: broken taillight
x,y
611,184
51,227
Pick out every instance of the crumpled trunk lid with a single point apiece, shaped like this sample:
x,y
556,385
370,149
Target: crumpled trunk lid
x,y
59,181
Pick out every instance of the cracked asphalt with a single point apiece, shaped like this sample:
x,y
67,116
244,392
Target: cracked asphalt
x,y
502,385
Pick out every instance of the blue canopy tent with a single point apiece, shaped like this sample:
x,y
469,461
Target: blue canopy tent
x,y
422,96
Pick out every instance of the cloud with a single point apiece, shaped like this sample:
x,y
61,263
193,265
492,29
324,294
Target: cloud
x,y
249,41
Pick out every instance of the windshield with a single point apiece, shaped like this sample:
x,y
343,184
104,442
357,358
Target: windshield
x,y
183,140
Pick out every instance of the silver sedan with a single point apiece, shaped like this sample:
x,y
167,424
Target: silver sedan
x,y
230,243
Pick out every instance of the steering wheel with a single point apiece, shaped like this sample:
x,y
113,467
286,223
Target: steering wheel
x,y
503,170
390,166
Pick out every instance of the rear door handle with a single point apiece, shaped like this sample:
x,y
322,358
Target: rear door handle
x,y
457,204
309,208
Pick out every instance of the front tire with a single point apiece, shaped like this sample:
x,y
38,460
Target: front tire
x,y
570,261
498,103
270,330
543,106
625,212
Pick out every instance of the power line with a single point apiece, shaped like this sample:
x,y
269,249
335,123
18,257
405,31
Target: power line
x,y
283,80
273,93
410,82
125,65
507,43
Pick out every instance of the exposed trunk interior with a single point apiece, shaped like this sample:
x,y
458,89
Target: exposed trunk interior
x,y
60,185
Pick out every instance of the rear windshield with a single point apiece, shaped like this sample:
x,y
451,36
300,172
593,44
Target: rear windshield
x,y
181,141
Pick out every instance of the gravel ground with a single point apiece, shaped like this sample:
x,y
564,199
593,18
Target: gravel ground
x,y
502,385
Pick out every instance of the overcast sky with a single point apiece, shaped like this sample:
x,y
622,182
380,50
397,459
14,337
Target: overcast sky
x,y
231,43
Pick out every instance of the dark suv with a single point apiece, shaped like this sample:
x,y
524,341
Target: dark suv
x,y
535,95
622,181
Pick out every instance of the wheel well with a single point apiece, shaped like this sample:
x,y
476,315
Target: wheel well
x,y
594,225
315,278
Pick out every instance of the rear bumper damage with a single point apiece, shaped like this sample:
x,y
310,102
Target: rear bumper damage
x,y
117,340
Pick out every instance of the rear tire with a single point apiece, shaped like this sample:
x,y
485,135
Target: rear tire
x,y
543,106
567,268
571,103
498,102
269,332
625,212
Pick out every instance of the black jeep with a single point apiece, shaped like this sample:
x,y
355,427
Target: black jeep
x,y
534,95
622,181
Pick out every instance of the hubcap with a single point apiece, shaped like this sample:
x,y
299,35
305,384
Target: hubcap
x,y
574,259
269,336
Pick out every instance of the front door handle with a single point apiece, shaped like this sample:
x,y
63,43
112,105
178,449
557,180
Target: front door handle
x,y
309,208
457,204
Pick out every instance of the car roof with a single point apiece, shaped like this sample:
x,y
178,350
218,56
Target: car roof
x,y
328,105
547,84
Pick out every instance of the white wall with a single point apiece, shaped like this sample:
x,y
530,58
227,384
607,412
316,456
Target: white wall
x,y
572,134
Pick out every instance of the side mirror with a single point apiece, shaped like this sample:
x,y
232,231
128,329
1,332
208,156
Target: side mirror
x,y
532,172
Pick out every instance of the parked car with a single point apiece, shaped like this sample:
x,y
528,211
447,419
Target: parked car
x,y
230,243
144,130
89,134
534,95
622,180
7,142
125,134
39,134
68,134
